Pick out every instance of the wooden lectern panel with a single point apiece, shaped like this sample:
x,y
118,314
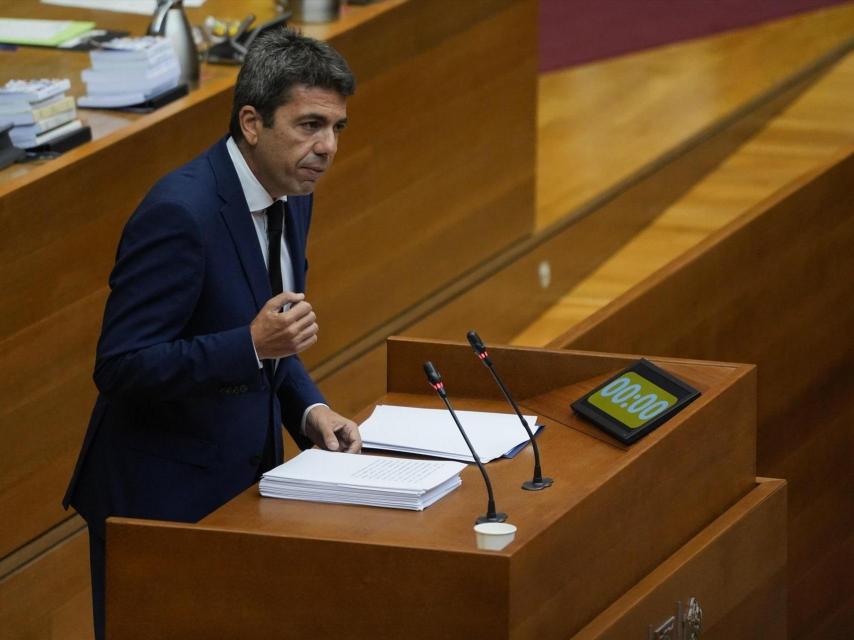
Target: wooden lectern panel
x,y
261,567
735,569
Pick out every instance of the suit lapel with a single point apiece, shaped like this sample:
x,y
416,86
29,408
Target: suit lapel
x,y
238,220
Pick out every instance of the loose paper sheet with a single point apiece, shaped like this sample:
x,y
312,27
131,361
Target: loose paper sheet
x,y
432,432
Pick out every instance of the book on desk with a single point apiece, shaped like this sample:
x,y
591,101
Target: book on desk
x,y
41,114
137,73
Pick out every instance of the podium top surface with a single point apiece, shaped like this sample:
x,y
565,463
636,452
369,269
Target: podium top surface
x,y
578,457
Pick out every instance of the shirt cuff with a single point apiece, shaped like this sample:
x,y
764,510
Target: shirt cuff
x,y
255,351
305,415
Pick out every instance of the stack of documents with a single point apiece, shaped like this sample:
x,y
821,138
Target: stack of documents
x,y
129,71
39,109
432,432
346,478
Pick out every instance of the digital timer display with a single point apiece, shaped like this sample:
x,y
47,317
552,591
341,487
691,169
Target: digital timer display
x,y
635,401
632,400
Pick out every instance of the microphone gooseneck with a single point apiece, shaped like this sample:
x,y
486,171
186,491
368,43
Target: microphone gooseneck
x,y
435,380
538,482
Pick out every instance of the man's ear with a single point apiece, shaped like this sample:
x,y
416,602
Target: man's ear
x,y
250,124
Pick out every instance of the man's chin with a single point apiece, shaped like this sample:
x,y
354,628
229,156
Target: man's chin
x,y
302,188
308,187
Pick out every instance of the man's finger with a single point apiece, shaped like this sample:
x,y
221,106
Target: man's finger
x,y
304,344
306,333
286,297
330,440
350,438
354,447
300,324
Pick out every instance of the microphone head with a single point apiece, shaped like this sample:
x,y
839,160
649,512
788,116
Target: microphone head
x,y
475,342
432,373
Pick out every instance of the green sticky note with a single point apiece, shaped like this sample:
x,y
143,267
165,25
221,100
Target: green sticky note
x,y
43,33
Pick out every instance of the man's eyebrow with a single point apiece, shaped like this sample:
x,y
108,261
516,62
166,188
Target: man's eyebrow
x,y
322,118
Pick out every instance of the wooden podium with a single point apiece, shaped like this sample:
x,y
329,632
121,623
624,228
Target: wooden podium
x,y
606,552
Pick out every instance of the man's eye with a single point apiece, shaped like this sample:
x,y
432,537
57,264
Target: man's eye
x,y
311,125
340,127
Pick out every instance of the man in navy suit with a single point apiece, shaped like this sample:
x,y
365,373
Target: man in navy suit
x,y
197,364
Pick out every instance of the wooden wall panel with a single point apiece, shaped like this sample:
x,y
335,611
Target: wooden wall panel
x,y
504,296
775,289
435,173
49,597
64,228
54,278
819,618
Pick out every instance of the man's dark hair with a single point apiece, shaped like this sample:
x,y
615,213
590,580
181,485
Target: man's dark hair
x,y
279,60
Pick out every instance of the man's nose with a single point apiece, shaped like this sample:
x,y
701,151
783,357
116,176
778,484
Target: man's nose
x,y
327,142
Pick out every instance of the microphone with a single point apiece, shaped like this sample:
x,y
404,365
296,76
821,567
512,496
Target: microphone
x,y
538,482
435,381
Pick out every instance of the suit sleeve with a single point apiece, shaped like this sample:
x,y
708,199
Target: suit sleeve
x,y
297,393
155,285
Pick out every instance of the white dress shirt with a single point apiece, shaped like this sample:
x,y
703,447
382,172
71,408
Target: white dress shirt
x,y
258,200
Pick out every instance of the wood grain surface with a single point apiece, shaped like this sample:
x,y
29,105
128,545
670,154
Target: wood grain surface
x,y
735,568
802,128
772,288
601,123
250,552
816,120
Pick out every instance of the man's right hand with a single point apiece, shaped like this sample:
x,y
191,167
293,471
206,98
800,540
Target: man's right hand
x,y
277,333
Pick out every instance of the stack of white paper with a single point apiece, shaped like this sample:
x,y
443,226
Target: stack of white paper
x,y
346,478
129,71
432,432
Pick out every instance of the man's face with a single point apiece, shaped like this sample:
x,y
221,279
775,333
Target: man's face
x,y
289,157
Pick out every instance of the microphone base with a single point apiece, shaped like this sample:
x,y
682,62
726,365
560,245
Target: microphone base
x,y
497,517
539,485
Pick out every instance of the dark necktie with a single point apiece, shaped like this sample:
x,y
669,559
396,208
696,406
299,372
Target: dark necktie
x,y
275,224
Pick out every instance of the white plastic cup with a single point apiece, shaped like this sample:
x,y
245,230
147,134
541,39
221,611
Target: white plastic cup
x,y
494,536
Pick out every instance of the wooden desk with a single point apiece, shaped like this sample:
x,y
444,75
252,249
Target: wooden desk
x,y
440,151
260,567
34,62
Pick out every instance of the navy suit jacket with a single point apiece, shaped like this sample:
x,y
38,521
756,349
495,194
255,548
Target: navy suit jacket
x,y
183,410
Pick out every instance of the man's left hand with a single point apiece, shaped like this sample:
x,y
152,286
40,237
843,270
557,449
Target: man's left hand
x,y
332,432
